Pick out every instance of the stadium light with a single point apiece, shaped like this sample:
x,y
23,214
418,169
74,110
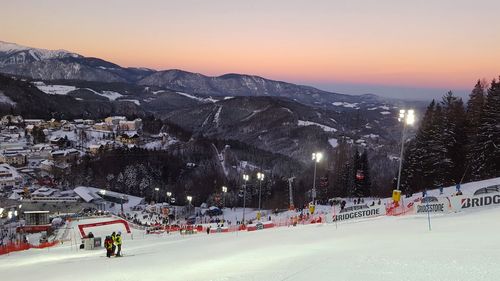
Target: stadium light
x,y
316,157
224,191
407,117
245,179
260,177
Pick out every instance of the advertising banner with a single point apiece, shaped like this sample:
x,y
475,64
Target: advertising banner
x,y
438,205
480,201
361,213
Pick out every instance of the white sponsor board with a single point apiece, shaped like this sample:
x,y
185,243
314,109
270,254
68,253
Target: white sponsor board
x,y
442,205
483,200
358,214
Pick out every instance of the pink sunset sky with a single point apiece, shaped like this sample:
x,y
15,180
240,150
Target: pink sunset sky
x,y
389,47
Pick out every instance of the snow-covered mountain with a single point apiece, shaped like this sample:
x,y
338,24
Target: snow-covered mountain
x,y
62,65
11,53
52,65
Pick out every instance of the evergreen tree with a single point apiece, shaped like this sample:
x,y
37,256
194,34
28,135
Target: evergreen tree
x,y
439,159
339,172
363,181
486,149
38,135
412,170
425,150
354,185
454,139
475,107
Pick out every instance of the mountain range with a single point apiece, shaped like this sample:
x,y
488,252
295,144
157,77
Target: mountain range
x,y
272,115
50,65
268,121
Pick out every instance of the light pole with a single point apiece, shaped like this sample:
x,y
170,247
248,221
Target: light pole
x,y
245,179
157,189
169,194
260,177
224,191
408,118
103,193
316,157
189,199
121,204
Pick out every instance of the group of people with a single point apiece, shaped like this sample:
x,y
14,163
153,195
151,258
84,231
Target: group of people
x,y
113,243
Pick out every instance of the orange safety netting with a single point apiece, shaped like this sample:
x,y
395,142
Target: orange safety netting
x,y
21,246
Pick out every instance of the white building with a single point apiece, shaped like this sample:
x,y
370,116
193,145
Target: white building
x,y
9,177
114,120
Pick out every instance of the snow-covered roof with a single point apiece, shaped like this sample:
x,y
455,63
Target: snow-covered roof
x,y
85,193
8,169
44,191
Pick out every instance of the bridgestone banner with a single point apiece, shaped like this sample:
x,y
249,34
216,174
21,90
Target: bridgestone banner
x,y
431,207
480,201
443,205
357,214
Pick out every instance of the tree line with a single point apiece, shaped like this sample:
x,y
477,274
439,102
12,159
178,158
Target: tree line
x,y
455,142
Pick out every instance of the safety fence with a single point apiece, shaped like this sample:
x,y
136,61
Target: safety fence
x,y
256,225
22,246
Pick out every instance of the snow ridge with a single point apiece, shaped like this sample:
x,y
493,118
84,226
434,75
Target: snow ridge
x,y
309,123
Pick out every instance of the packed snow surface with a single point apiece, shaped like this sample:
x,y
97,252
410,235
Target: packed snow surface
x,y
461,246
111,95
6,99
137,102
209,99
309,123
333,142
345,104
54,89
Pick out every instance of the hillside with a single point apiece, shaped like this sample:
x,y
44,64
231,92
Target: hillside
x,y
21,97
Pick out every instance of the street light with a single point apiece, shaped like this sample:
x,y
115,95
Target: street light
x,y
316,157
407,118
121,204
157,189
224,191
245,179
170,201
169,194
260,177
189,199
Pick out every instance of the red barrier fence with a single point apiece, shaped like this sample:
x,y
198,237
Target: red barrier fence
x,y
21,246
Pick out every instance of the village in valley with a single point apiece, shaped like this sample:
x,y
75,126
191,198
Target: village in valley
x,y
33,152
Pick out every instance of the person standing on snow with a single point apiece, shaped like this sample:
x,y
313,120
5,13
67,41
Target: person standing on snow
x,y
113,239
108,244
118,242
